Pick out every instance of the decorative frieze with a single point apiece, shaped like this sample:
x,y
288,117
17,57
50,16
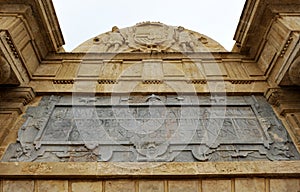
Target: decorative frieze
x,y
18,70
63,81
151,128
286,46
196,81
107,81
153,81
241,81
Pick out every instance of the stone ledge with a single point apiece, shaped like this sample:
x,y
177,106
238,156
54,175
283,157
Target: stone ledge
x,y
94,170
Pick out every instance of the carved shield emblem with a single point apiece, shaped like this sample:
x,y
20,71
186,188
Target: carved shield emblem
x,y
150,34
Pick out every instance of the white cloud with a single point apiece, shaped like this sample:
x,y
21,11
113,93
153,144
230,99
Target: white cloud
x,y
81,20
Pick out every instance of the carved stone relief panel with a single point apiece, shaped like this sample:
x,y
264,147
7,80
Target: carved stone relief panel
x,y
151,128
150,37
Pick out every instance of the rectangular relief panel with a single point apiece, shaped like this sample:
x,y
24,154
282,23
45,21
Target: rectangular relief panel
x,y
152,70
151,128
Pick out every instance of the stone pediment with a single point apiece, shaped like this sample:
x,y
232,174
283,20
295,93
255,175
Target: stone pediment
x,y
148,37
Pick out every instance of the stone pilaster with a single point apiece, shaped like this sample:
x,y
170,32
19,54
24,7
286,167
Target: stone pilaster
x,y
286,102
12,105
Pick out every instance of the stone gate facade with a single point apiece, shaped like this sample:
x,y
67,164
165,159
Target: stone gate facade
x,y
150,107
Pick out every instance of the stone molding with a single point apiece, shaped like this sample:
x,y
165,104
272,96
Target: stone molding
x,y
18,72
5,70
41,17
74,170
286,103
15,98
294,71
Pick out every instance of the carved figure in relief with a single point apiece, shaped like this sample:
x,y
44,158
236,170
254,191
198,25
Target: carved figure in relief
x,y
115,40
23,153
58,131
184,40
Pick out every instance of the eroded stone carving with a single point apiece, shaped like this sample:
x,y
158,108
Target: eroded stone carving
x,y
114,41
184,39
149,37
151,128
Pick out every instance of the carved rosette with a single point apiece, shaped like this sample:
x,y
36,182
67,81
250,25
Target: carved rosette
x,y
5,70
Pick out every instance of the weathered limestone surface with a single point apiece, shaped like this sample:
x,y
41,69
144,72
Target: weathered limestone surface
x,y
284,185
150,185
250,185
184,185
216,185
120,186
85,170
86,186
18,186
52,185
163,185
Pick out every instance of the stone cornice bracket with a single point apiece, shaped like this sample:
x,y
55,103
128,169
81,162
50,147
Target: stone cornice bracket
x,y
285,100
5,70
287,104
41,22
13,71
272,95
11,44
255,22
15,99
294,72
50,22
245,22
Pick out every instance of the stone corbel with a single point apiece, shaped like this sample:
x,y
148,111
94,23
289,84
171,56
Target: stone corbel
x,y
284,100
287,104
15,99
12,69
294,72
5,70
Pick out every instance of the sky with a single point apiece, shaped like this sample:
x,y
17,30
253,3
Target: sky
x,y
81,20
